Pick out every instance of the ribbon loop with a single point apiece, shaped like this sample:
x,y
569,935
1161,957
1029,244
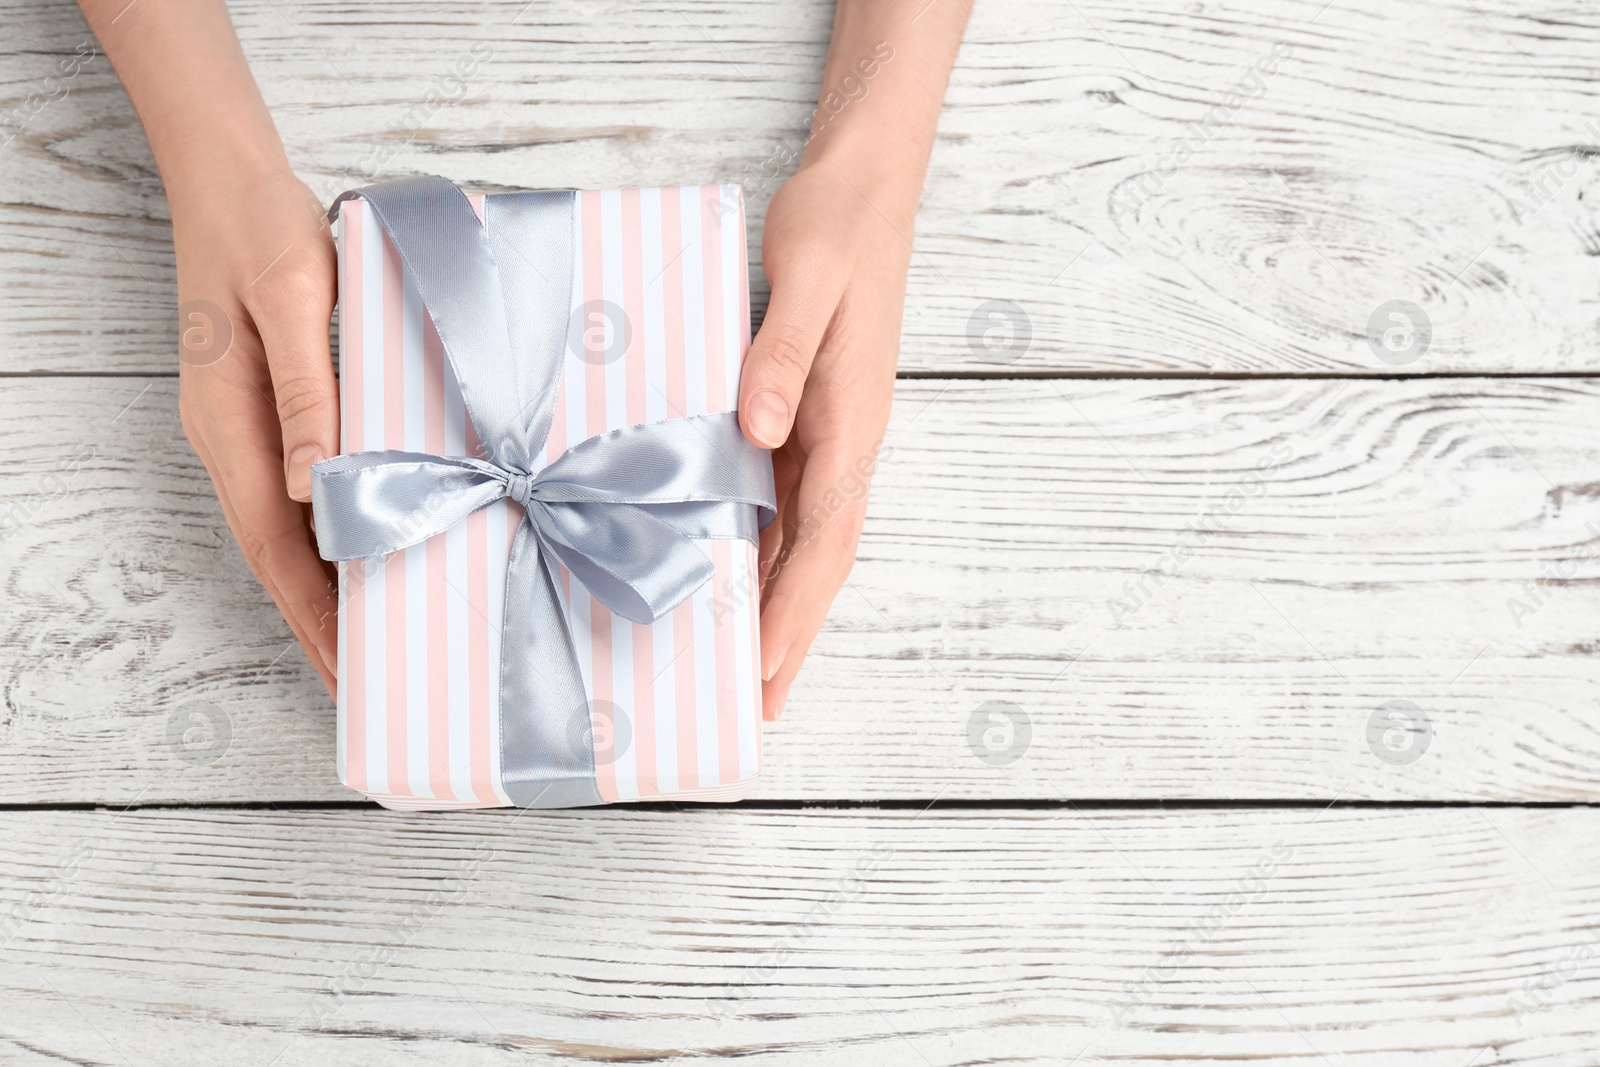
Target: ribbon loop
x,y
621,511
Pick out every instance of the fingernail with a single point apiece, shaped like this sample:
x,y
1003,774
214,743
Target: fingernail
x,y
774,661
298,470
777,712
769,418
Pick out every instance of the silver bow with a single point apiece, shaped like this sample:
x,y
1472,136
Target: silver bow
x,y
621,511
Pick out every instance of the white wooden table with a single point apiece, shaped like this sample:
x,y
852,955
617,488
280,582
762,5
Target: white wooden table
x,y
1200,837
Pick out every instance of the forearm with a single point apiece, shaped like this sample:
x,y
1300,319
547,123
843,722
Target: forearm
x,y
888,66
182,67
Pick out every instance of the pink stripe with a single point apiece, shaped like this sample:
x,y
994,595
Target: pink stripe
x,y
753,611
724,617
711,288
438,593
686,699
643,696
717,345
602,696
353,668
633,304
514,516
644,710
480,729
672,300
394,436
600,621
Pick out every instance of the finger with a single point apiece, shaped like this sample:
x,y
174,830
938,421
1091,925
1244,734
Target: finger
x,y
775,692
292,303
305,595
326,669
271,529
824,528
771,544
804,297
786,481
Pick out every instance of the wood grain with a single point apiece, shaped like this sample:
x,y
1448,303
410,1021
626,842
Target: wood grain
x,y
1283,937
1067,590
1440,153
1022,546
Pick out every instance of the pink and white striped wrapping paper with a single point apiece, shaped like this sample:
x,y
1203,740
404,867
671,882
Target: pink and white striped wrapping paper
x,y
419,646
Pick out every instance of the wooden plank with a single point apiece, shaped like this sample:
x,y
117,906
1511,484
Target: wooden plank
x,y
1141,938
1437,153
1373,543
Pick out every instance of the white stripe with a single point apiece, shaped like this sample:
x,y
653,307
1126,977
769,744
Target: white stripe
x,y
746,656
416,664
377,719
341,696
705,684
694,305
499,562
652,260
733,285
666,703
457,614
377,683
616,372
747,684
582,644
416,668
624,756
574,388
573,376
614,285
372,330
457,611
694,376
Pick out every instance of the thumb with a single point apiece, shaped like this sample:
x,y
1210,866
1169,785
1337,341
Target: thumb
x,y
780,358
303,386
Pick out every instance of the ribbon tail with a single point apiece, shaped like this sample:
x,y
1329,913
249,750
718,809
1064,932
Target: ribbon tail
x,y
633,563
546,738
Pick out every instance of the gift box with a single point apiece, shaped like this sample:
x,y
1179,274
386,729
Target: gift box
x,y
632,307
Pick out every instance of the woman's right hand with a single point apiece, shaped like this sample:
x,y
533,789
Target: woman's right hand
x,y
256,285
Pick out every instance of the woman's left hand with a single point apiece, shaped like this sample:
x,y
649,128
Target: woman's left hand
x,y
817,388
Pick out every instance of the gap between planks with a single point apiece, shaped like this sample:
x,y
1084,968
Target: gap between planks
x,y
846,803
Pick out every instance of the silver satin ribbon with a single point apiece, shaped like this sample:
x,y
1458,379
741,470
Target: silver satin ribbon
x,y
621,511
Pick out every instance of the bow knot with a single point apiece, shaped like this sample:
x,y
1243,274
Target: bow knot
x,y
519,487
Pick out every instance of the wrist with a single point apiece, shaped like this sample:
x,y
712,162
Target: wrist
x,y
205,168
892,186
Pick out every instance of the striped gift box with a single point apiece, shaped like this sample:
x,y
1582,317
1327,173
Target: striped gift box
x,y
675,706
